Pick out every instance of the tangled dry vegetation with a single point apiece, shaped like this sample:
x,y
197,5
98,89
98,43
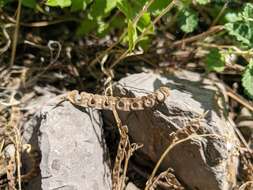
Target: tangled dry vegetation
x,y
40,52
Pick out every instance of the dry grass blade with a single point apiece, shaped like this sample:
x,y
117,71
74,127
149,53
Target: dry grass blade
x,y
212,30
15,35
7,37
167,180
239,99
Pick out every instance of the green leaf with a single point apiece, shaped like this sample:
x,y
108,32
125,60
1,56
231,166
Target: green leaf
x,y
232,17
240,25
61,3
132,35
241,31
100,8
157,6
126,8
247,11
102,28
79,5
3,3
215,61
131,8
29,3
144,22
188,20
247,79
145,43
202,2
86,27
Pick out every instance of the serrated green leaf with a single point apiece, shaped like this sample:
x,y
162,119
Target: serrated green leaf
x,y
215,61
241,31
247,79
247,11
188,20
60,3
202,2
241,25
132,35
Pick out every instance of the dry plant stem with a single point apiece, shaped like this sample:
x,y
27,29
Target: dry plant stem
x,y
122,56
239,99
15,117
144,9
100,56
243,186
165,10
7,37
129,153
222,47
15,36
18,150
220,14
118,181
149,182
52,61
48,23
212,30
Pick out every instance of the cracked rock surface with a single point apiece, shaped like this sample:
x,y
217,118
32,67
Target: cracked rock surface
x,y
202,163
72,148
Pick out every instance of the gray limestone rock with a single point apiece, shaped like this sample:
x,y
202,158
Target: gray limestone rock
x,y
204,163
72,148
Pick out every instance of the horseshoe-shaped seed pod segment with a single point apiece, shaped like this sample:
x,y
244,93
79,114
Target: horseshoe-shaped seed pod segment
x,y
74,97
160,96
149,101
123,104
92,101
136,104
84,99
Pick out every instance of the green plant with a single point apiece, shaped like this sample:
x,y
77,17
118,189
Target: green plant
x,y
137,21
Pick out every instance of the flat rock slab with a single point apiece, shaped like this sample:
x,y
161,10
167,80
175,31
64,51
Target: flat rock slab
x,y
204,163
72,148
